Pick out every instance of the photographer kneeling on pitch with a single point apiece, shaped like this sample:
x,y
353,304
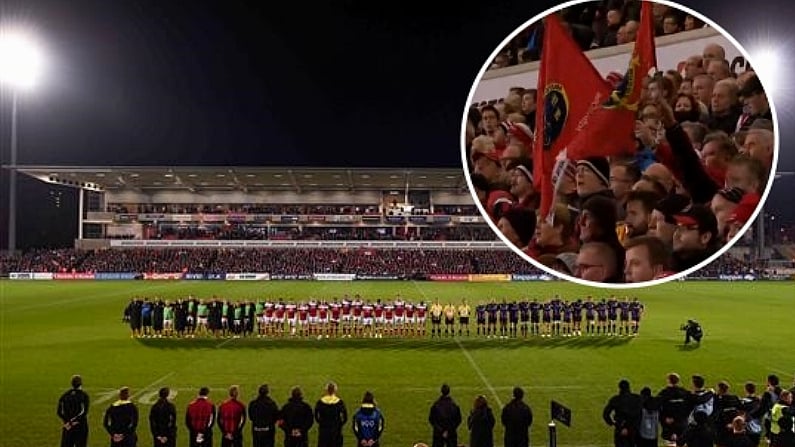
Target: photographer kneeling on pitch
x,y
692,330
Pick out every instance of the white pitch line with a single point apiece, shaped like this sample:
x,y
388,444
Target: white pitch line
x,y
225,342
467,355
147,387
480,373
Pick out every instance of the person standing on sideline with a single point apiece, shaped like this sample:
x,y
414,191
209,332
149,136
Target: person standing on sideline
x,y
648,429
263,413
199,418
231,419
481,424
297,419
73,411
163,421
623,413
445,417
368,423
121,421
331,416
517,417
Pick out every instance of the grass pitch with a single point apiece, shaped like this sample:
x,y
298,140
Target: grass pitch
x,y
51,330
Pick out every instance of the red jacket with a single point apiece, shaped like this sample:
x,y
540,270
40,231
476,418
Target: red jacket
x,y
231,416
200,415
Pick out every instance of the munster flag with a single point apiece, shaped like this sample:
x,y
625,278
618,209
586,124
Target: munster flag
x,y
610,129
568,85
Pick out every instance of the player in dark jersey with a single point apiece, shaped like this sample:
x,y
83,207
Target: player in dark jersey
x,y
623,317
480,315
635,310
601,314
546,319
557,316
590,316
504,310
524,317
513,318
567,320
612,316
535,318
576,317
491,312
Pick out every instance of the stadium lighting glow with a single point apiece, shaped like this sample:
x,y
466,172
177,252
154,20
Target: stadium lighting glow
x,y
21,60
766,62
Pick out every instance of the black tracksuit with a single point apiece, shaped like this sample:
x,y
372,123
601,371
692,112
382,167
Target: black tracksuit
x,y
298,419
121,418
517,417
73,409
623,412
263,414
445,417
331,416
163,423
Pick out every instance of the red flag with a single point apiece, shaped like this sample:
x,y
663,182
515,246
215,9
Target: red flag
x,y
610,129
568,86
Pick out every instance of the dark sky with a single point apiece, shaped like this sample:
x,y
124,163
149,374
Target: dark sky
x,y
231,82
152,82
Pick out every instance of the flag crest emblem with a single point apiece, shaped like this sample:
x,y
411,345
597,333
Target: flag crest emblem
x,y
556,111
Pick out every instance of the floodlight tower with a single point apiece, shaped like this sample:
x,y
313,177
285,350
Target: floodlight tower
x,y
20,67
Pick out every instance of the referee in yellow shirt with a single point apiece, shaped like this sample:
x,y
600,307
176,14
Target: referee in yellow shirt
x,y
436,319
463,317
449,319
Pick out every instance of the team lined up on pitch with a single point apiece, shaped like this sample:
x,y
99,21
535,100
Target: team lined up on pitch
x,y
357,317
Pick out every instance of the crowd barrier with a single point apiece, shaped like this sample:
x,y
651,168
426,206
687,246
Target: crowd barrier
x,y
439,277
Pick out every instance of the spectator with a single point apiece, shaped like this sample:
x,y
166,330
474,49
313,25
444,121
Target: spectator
x,y
481,424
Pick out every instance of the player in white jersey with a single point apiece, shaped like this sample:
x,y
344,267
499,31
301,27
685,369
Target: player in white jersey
x,y
323,318
389,319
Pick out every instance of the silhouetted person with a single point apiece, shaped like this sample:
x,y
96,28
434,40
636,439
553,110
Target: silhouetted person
x,y
445,417
73,411
517,417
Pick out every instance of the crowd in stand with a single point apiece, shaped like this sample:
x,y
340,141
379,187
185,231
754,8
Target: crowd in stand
x,y
704,154
701,416
597,24
264,232
307,261
247,208
259,208
281,261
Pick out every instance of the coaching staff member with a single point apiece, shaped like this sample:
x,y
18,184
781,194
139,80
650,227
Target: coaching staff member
x,y
231,419
445,417
121,421
296,420
199,418
73,411
623,413
263,413
331,416
517,417
163,421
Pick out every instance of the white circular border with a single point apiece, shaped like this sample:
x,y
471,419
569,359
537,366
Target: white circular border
x,y
679,275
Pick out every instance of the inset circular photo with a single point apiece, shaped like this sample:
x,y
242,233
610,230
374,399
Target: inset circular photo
x,y
619,144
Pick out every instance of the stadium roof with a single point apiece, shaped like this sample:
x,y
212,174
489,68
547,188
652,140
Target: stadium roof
x,y
195,178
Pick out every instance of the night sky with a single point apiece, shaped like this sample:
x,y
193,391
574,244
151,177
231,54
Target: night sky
x,y
172,82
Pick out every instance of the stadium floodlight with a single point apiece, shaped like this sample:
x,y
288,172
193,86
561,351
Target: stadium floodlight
x,y
21,60
21,64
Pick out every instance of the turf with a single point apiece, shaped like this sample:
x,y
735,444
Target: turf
x,y
51,330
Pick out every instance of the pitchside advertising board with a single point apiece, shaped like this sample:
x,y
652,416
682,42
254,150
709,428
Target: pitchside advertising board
x,y
671,53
